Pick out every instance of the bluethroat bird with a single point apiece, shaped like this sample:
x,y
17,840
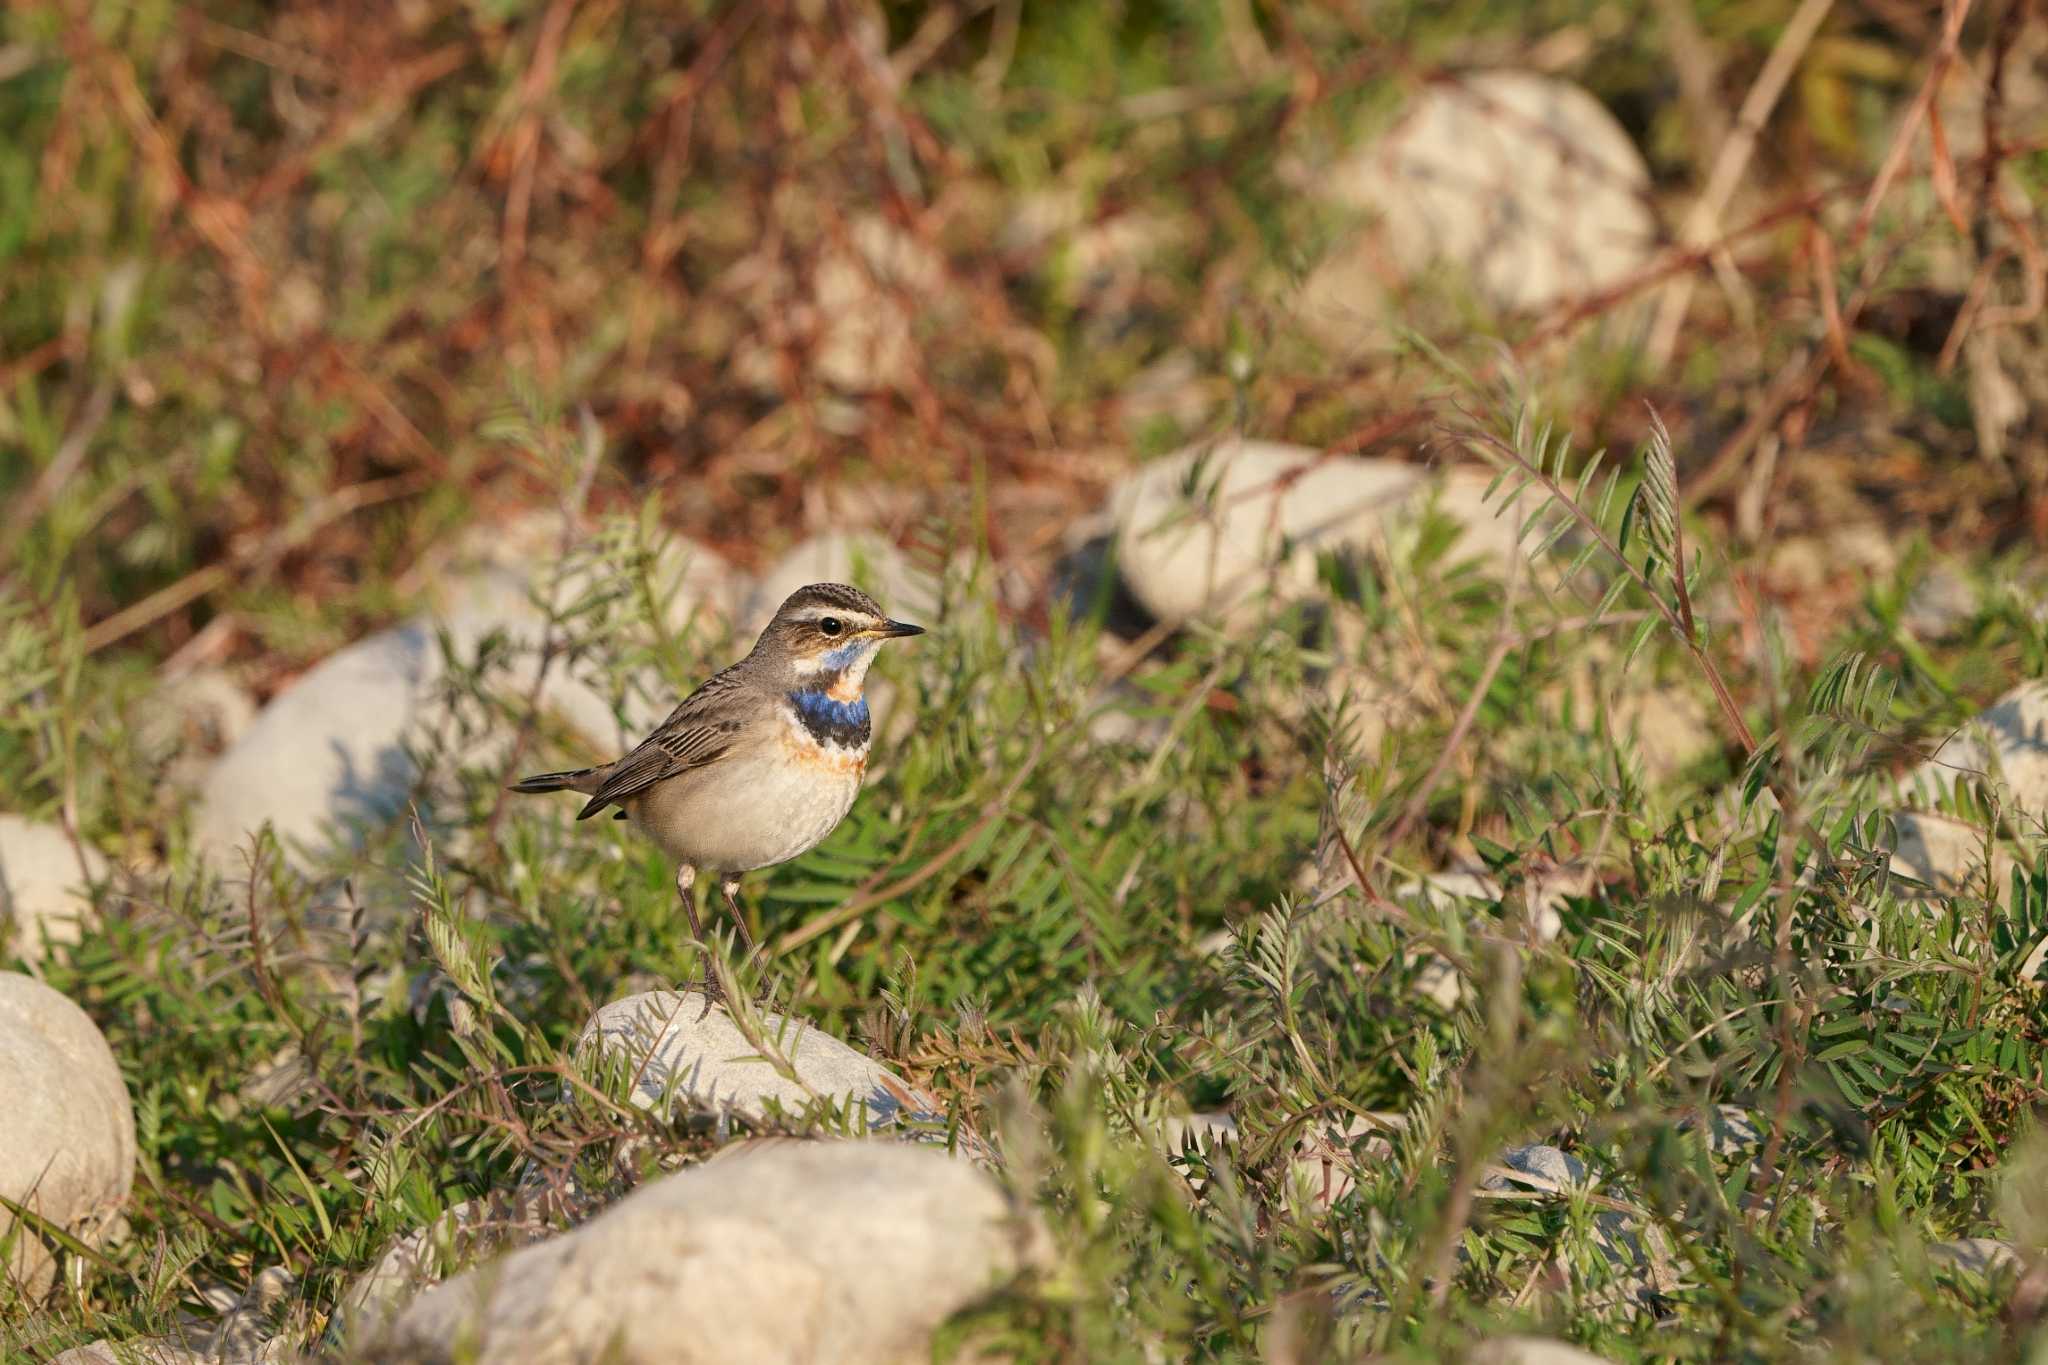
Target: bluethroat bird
x,y
760,763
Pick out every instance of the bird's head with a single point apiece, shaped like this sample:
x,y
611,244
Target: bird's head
x,y
825,636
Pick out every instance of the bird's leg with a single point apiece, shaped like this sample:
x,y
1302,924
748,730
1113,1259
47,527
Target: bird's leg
x,y
729,887
686,888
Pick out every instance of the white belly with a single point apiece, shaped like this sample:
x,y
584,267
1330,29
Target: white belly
x,y
746,812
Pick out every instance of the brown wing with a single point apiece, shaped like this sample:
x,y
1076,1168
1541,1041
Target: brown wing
x,y
697,732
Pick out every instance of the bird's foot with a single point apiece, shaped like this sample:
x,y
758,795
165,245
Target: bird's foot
x,y
710,987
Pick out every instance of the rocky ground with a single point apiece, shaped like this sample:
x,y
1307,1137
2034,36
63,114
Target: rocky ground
x,y
1314,899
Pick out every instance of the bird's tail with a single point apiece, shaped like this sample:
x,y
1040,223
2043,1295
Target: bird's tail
x,y
583,780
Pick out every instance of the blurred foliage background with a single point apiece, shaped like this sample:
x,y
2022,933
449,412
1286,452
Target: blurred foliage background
x,y
265,272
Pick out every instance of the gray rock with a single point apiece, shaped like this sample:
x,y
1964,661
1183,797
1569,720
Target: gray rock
x,y
1441,983
1524,185
1985,1256
242,1335
67,1149
1636,1258
190,721
2007,745
1202,532
1201,1131
334,753
1732,1131
772,1251
1537,1166
327,755
42,888
1940,605
1529,1351
1946,855
425,1256
1324,1164
682,1057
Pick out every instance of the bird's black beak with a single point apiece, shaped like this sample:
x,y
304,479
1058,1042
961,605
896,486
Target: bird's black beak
x,y
896,630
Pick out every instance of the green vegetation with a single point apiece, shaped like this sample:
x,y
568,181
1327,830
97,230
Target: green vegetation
x,y
271,283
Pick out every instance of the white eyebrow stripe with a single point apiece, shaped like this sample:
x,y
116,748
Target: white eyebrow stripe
x,y
858,619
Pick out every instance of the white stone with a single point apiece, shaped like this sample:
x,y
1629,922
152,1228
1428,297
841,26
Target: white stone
x,y
1095,262
1200,1131
43,890
185,1349
1538,1166
1638,1264
680,1056
1529,1351
333,752
410,1263
781,1251
1440,983
1542,893
1325,1161
1941,603
1084,583
1947,855
1666,729
2007,744
1489,526
425,1256
240,1337
1732,1131
190,720
327,754
1203,530
694,585
1985,1256
1525,184
505,586
67,1147
1172,388
2004,750
1540,897
1322,1163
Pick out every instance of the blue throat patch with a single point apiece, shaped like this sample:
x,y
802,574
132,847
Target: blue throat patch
x,y
831,721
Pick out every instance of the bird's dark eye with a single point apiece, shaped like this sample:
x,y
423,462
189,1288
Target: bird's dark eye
x,y
831,625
